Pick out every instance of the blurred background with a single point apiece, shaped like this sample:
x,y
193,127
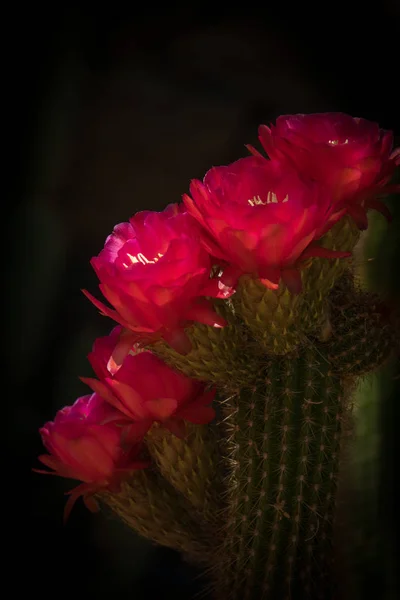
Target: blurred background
x,y
114,111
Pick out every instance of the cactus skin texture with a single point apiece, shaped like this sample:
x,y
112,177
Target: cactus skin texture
x,y
189,466
281,321
214,356
285,441
148,504
363,334
251,498
217,353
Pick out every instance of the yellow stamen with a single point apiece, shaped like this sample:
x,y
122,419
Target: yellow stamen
x,y
142,259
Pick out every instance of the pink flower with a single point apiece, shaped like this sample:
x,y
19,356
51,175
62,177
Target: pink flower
x,y
145,390
352,156
156,274
84,442
260,219
109,352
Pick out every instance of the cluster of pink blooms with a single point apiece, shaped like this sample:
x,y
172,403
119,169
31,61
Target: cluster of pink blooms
x,y
258,216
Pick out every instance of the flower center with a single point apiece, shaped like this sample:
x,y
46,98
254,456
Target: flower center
x,y
336,142
271,198
136,349
142,259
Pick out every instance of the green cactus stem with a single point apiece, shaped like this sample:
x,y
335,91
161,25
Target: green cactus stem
x,y
255,505
189,465
279,320
270,315
285,441
323,274
148,504
362,333
217,353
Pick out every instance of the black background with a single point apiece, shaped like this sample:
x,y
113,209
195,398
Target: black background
x,y
113,111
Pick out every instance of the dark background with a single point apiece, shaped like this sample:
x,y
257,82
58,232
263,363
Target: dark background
x,y
112,112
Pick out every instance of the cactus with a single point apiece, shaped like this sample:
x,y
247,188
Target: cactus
x,y
285,442
263,481
216,355
280,320
189,465
250,497
363,334
150,506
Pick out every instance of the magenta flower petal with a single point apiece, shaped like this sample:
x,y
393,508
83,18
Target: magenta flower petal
x,y
145,390
84,447
178,340
352,156
261,216
204,312
151,271
161,408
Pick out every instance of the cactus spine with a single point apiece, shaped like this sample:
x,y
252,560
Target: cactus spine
x,y
149,505
255,505
217,354
285,440
189,466
279,320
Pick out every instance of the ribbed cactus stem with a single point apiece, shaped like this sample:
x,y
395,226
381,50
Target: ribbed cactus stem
x,y
149,505
269,314
279,320
343,236
189,466
322,274
285,442
216,355
362,332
